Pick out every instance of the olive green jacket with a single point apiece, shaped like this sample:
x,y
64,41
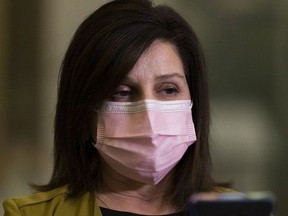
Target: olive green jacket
x,y
54,203
57,203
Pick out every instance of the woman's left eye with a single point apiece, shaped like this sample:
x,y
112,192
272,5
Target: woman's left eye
x,y
170,91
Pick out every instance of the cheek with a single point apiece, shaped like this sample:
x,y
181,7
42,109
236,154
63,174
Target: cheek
x,y
186,92
189,95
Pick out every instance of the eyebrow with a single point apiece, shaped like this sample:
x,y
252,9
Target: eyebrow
x,y
159,78
169,76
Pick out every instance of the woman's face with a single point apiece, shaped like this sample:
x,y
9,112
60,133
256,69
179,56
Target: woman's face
x,y
158,74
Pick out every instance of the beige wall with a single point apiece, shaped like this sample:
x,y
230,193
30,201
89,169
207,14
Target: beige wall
x,y
3,68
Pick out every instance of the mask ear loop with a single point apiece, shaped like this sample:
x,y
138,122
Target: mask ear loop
x,y
92,141
191,105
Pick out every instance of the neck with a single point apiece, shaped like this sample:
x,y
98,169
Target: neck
x,y
120,193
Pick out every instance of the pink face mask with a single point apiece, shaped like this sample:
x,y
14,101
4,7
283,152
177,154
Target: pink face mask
x,y
144,140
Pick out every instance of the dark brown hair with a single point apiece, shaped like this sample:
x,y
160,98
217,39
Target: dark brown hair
x,y
103,50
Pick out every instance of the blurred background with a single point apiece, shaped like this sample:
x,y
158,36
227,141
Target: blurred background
x,y
246,45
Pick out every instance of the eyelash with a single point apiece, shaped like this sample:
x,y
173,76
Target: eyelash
x,y
121,94
170,91
129,94
124,93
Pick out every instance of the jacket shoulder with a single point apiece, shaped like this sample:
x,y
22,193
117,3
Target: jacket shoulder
x,y
38,201
55,202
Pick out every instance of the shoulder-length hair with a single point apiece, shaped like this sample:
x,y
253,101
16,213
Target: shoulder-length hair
x,y
103,50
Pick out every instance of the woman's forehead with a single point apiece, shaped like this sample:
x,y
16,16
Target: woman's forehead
x,y
160,59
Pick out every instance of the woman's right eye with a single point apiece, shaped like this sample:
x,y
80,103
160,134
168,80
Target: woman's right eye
x,y
122,94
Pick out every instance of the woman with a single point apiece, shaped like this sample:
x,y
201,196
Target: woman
x,y
132,118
